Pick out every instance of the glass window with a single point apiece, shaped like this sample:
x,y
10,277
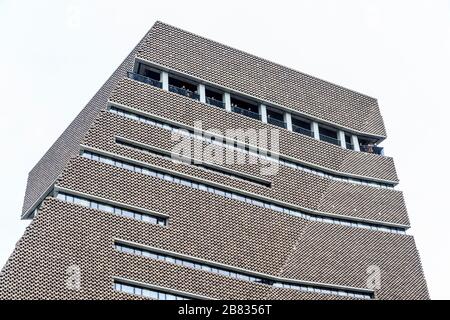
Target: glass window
x,y
146,293
170,260
127,213
170,297
127,250
161,296
206,268
128,167
106,208
61,196
127,289
149,219
81,202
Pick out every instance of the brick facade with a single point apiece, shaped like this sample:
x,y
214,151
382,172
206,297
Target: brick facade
x,y
201,224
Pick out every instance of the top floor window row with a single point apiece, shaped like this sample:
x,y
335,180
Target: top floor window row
x,y
252,109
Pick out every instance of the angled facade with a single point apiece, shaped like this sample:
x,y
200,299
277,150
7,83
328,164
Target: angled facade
x,y
115,215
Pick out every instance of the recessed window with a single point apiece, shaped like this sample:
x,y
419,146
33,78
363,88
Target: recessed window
x,y
149,72
183,87
245,149
94,204
224,271
328,135
146,292
246,108
275,117
214,98
301,126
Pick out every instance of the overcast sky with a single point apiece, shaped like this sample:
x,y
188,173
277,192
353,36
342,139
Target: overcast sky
x,y
55,55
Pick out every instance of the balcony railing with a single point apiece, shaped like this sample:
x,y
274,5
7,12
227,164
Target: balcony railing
x,y
245,112
214,102
184,92
276,122
144,79
372,149
330,139
302,130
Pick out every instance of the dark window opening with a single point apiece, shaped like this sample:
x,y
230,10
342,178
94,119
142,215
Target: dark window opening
x,y
182,84
328,135
146,75
183,88
302,127
276,118
145,71
214,98
244,105
275,114
370,146
301,123
246,108
213,94
348,142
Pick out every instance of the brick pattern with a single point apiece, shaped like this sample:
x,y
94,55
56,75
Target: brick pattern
x,y
396,256
53,162
185,110
64,234
214,62
288,185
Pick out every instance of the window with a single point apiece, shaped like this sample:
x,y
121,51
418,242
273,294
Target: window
x,y
214,98
183,87
146,292
302,126
149,72
249,109
85,202
275,117
226,272
328,135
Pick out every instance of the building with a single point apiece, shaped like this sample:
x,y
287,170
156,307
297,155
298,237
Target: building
x,y
115,216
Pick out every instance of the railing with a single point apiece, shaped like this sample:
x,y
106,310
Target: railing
x,y
302,130
372,149
184,92
144,79
245,112
276,122
349,146
214,102
330,139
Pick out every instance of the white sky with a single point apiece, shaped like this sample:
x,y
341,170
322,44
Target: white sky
x,y
55,55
